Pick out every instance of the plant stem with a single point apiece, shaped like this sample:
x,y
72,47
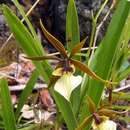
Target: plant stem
x,y
94,27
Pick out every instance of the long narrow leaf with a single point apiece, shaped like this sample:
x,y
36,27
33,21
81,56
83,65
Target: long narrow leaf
x,y
26,41
109,46
21,10
122,55
66,110
72,26
72,39
26,92
7,108
103,58
123,74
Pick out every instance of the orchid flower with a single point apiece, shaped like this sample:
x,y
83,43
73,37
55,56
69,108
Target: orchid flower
x,y
100,117
105,125
67,81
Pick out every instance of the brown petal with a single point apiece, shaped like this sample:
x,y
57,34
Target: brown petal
x,y
88,71
85,122
91,105
55,42
108,113
77,47
43,58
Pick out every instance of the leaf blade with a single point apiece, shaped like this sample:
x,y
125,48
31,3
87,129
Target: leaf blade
x,y
72,26
26,41
27,90
103,58
66,110
7,108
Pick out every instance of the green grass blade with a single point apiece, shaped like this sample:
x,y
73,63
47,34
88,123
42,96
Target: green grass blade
x,y
27,42
72,26
7,108
103,58
66,110
21,10
26,92
123,74
122,54
73,38
108,47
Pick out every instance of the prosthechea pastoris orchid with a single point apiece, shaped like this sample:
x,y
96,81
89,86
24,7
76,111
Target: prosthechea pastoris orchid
x,y
66,67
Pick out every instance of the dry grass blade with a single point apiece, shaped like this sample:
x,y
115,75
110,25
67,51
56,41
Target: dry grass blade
x,y
77,47
88,71
55,42
40,58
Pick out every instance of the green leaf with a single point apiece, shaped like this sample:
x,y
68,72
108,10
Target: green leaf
x,y
72,26
26,92
7,108
123,53
72,39
108,48
66,110
123,74
27,42
21,10
55,42
104,56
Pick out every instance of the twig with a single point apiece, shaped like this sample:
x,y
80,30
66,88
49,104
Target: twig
x,y
27,14
20,87
99,27
94,26
121,88
8,76
83,49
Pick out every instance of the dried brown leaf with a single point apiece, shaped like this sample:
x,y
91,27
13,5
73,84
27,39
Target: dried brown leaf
x,y
46,98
